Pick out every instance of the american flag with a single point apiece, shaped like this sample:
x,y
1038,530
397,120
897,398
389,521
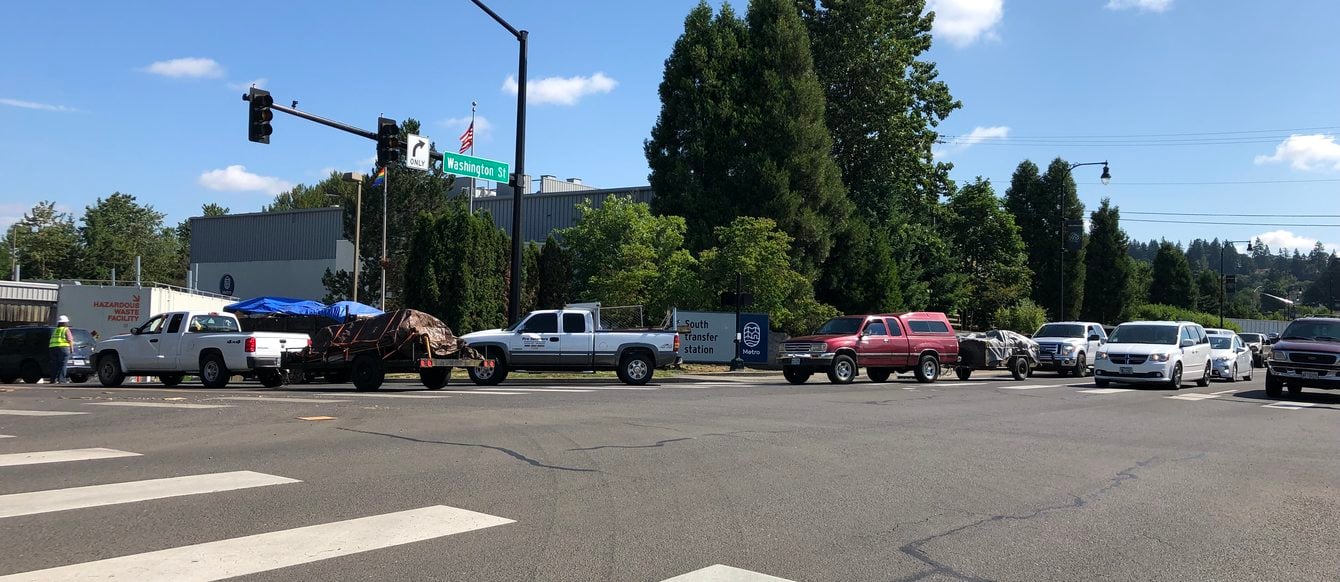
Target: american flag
x,y
468,138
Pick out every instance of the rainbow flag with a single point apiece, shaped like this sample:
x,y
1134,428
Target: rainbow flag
x,y
381,177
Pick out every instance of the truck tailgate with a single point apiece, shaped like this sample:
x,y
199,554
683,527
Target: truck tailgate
x,y
275,344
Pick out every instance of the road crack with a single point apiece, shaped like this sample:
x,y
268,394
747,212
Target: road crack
x,y
509,452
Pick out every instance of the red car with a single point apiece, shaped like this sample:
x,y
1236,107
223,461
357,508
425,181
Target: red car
x,y
922,342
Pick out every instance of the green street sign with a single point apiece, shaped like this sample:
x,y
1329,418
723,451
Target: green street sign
x,y
472,167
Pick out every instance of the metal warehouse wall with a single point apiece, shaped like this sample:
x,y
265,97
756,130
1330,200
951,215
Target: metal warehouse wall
x,y
544,213
267,236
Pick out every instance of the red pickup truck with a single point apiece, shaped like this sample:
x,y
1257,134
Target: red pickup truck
x,y
922,342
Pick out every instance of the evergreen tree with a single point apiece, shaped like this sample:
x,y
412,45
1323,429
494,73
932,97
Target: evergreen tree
x,y
990,251
1109,296
1172,283
555,268
862,275
530,283
457,265
1207,291
1033,200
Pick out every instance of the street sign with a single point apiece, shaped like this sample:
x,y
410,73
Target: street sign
x,y
472,167
754,338
417,155
1074,235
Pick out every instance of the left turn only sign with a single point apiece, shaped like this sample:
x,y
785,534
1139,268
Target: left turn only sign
x,y
417,152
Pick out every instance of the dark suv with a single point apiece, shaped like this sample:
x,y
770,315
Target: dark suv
x,y
24,354
1307,355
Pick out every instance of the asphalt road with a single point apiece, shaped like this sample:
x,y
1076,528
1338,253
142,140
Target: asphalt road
x,y
989,479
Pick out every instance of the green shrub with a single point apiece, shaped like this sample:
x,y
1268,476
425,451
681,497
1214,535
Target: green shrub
x,y
1024,317
1156,312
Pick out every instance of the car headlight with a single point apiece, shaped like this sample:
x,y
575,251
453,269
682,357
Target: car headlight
x,y
1158,357
1224,359
1067,349
1100,356
1279,356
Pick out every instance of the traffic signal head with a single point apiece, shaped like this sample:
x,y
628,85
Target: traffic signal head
x,y
390,148
259,115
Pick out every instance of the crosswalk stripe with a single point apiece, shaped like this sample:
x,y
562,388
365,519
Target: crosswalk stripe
x,y
269,551
1224,391
6,436
487,392
1028,387
720,573
38,412
160,405
40,457
1107,390
117,493
1289,405
392,395
519,390
278,399
1193,397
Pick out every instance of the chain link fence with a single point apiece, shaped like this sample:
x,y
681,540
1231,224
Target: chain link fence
x,y
622,317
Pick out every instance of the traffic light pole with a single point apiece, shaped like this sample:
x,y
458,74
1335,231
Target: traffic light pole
x,y
372,135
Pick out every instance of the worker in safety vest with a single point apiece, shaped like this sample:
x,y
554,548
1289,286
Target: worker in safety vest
x,y
62,341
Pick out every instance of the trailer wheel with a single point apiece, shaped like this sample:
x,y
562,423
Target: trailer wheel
x,y
1020,369
435,378
963,373
270,378
368,373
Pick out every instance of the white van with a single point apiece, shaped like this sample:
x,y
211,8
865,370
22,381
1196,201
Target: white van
x,y
1154,352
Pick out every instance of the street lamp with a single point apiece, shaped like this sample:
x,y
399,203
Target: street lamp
x,y
358,226
1223,275
1106,177
514,290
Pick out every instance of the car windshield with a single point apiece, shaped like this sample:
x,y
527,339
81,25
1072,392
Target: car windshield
x,y
840,326
1060,330
1250,337
1145,334
1326,331
1221,342
82,337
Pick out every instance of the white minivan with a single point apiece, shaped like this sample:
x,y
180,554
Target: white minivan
x,y
1154,352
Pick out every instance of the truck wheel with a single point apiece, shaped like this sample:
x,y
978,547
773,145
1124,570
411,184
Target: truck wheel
x,y
30,372
636,369
928,369
368,373
213,372
795,376
434,378
270,378
482,376
109,371
78,378
843,370
1274,385
963,373
878,375
170,380
1081,366
1020,369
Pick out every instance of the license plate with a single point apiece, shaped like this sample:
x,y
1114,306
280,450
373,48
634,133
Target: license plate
x,y
1127,370
1309,374
795,361
76,362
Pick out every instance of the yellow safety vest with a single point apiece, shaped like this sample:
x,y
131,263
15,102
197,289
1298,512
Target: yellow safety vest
x,y
58,338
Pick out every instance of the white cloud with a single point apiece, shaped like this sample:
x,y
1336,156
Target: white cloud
x,y
483,127
38,106
978,135
236,178
963,22
1306,153
1140,5
561,90
258,83
1283,239
187,67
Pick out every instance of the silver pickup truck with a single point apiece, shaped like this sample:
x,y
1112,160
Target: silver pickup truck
x,y
572,339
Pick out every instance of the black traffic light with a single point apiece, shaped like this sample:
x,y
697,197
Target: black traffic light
x,y
390,148
1074,235
259,115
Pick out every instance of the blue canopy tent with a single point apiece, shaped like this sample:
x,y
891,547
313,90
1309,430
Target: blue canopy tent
x,y
343,310
276,306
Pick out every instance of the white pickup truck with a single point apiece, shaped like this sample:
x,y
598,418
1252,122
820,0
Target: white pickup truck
x,y
572,339
209,344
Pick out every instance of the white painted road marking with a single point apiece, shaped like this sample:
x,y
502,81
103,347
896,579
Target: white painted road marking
x,y
1107,390
6,436
1223,392
1192,397
1028,387
1289,405
38,412
391,395
159,404
61,456
720,573
517,390
487,392
270,551
116,493
278,399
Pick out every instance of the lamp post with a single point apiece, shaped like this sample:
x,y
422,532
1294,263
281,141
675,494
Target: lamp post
x,y
1223,275
514,289
1106,177
358,226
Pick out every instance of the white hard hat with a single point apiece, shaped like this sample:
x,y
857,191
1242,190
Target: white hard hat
x,y
62,319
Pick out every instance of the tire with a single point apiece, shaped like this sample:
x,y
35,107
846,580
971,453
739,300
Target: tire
x,y
636,368
1021,369
963,373
1175,380
1295,389
30,371
795,376
1100,383
213,372
928,369
1233,373
1081,366
843,370
109,371
368,373
171,380
434,378
1274,385
1205,377
878,375
78,378
270,378
1249,375
489,376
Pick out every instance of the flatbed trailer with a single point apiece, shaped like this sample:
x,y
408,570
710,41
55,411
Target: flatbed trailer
x,y
367,368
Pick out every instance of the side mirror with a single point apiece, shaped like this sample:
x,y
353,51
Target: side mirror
x,y
134,331
865,332
1186,343
1095,338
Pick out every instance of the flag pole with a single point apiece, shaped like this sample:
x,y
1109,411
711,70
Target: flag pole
x,y
473,104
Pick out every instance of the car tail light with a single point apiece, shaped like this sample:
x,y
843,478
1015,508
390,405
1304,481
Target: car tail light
x,y
309,342
676,342
249,346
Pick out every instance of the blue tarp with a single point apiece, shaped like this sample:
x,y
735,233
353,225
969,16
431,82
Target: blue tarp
x,y
276,305
343,309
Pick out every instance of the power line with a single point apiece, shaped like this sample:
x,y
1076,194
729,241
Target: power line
x,y
1185,134
1230,223
1204,183
1233,215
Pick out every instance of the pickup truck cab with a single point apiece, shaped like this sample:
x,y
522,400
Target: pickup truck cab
x,y
1306,355
922,342
1069,346
208,344
571,339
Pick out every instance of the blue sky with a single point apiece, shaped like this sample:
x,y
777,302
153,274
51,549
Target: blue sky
x,y
96,97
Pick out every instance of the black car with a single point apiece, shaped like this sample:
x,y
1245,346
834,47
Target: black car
x,y
24,355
